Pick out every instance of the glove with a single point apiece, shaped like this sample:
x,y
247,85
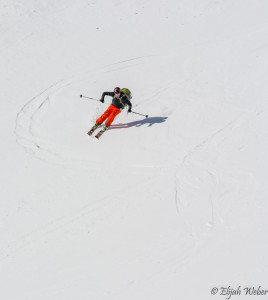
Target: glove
x,y
102,100
129,110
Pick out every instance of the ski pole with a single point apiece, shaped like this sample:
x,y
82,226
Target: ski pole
x,y
139,114
89,98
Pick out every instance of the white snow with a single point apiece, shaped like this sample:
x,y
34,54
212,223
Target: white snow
x,y
167,207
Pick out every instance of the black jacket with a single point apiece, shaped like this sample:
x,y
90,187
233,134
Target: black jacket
x,y
118,102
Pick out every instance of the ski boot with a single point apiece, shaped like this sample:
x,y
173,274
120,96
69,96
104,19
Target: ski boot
x,y
100,133
93,129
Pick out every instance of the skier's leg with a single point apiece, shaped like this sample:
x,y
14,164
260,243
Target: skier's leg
x,y
111,117
105,115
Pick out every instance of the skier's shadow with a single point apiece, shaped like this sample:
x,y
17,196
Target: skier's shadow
x,y
150,121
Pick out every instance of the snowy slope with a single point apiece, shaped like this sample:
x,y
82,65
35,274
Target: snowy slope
x,y
166,207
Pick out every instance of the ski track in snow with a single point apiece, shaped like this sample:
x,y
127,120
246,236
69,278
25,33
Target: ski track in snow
x,y
216,140
27,126
42,147
28,135
208,176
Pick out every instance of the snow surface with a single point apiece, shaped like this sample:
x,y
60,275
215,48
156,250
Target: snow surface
x,y
161,208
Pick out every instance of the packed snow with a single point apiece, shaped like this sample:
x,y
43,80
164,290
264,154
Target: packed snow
x,y
173,206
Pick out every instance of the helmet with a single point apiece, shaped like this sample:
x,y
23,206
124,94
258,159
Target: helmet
x,y
127,92
117,90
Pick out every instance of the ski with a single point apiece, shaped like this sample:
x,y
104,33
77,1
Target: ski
x,y
91,131
100,133
96,126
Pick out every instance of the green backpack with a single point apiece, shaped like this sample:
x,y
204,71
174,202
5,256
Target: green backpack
x,y
127,92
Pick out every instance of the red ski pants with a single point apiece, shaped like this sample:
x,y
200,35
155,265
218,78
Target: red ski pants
x,y
110,113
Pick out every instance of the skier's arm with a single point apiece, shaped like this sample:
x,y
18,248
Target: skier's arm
x,y
128,103
106,94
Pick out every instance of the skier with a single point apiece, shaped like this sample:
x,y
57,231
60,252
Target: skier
x,y
121,98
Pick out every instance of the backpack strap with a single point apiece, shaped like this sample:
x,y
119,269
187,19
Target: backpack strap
x,y
120,100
